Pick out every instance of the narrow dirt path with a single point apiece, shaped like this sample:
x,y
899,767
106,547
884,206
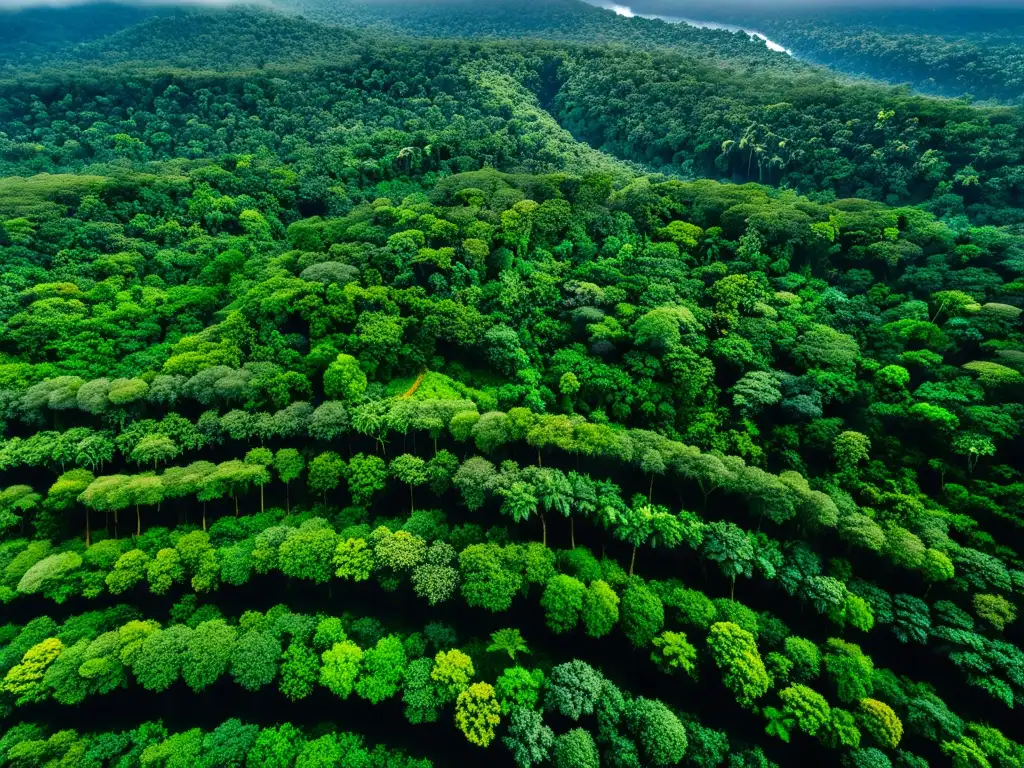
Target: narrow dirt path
x,y
415,384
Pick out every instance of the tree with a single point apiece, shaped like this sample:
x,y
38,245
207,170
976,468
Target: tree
x,y
474,480
600,608
851,448
383,669
65,492
672,652
128,571
850,669
421,696
154,448
735,653
994,609
310,552
806,707
260,459
478,714
342,664
573,689
140,491
575,749
289,465
488,581
207,654
325,473
366,475
436,579
635,528
643,614
529,740
16,502
353,559
25,679
452,673
254,659
880,722
276,747
658,732
508,641
410,470
562,602
730,546
554,492
344,379
518,687
300,670
157,665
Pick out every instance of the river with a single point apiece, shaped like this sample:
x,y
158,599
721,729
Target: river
x,y
625,10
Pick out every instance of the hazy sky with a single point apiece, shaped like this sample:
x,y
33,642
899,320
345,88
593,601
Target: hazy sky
x,y
16,4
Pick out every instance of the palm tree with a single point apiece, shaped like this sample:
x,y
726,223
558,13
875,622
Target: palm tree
x,y
508,641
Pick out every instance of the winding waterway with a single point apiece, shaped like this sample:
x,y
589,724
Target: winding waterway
x,y
625,10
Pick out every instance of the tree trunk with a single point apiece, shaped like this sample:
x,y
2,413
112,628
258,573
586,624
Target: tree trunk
x,y
544,524
138,521
236,505
572,531
204,516
115,525
539,464
412,501
650,491
732,589
632,561
88,538
261,499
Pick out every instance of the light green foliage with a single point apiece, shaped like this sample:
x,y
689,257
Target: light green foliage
x,y
341,666
562,602
995,609
478,714
808,708
300,670
735,652
452,672
805,657
673,653
508,641
383,670
129,570
600,608
517,687
25,680
353,559
880,722
344,380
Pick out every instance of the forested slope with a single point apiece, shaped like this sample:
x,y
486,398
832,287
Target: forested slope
x,y
354,413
